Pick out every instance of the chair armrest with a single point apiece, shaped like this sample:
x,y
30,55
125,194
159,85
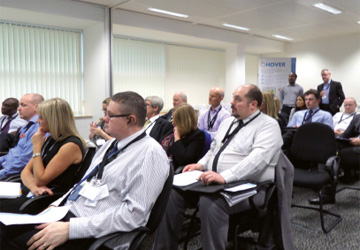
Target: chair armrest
x,y
125,238
12,178
270,188
332,165
39,203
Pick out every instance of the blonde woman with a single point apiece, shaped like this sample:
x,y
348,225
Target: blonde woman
x,y
56,159
268,107
186,144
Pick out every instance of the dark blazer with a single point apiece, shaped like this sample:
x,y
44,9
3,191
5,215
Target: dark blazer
x,y
353,130
336,96
168,115
188,149
161,129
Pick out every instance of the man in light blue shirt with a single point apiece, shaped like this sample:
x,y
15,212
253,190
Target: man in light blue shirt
x,y
20,155
313,113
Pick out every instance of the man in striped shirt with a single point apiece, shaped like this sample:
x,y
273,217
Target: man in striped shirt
x,y
128,173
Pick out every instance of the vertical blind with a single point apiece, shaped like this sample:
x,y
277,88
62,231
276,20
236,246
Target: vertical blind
x,y
149,68
41,60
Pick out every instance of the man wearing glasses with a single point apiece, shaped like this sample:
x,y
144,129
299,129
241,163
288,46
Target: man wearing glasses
x,y
343,119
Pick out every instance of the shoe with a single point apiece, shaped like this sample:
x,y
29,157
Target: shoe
x,y
326,200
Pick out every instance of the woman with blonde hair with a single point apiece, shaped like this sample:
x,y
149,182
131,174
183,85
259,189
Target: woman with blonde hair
x,y
268,106
56,158
186,144
97,130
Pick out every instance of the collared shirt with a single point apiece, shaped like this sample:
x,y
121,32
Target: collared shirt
x,y
151,124
319,115
289,93
20,155
134,181
326,88
15,123
203,119
252,154
342,120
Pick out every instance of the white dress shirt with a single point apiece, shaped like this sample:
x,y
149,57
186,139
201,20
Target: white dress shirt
x,y
342,120
16,123
252,154
134,180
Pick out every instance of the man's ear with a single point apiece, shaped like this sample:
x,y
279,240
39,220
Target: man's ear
x,y
131,120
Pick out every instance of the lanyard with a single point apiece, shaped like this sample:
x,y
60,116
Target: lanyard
x,y
228,135
341,118
108,157
307,117
212,122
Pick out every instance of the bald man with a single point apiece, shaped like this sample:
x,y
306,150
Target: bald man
x,y
342,119
212,118
178,98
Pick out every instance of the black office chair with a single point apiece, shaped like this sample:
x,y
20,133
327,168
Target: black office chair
x,y
350,160
316,165
135,238
39,203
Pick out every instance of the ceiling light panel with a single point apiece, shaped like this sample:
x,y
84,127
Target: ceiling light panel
x,y
283,37
168,12
327,8
236,27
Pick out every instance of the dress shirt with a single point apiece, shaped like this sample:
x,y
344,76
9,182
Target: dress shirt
x,y
251,155
134,180
342,120
319,115
326,88
203,120
151,124
16,123
20,155
289,93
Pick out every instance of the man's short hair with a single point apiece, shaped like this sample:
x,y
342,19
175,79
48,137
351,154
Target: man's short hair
x,y
254,94
131,103
183,96
326,71
293,74
353,99
13,102
313,92
156,101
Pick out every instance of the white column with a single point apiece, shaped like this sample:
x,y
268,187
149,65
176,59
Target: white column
x,y
235,70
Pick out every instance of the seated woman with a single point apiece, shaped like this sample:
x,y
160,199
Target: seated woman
x,y
186,144
268,107
56,159
299,105
97,130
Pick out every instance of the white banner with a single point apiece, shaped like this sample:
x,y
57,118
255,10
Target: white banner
x,y
274,73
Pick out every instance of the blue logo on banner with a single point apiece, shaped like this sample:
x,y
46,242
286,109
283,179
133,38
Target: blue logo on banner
x,y
275,64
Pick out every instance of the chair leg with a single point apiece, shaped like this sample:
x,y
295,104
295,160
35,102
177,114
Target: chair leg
x,y
347,187
191,224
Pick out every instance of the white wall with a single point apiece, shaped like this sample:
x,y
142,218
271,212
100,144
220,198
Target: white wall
x,y
341,55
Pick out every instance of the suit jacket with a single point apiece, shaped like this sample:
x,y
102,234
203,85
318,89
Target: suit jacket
x,y
161,129
336,96
168,115
353,130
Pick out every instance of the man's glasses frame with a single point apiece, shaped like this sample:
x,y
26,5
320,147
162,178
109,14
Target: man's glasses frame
x,y
113,116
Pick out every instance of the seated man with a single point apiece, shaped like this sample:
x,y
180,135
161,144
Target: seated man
x,y
212,118
178,98
132,170
9,123
313,113
18,156
342,119
156,126
246,147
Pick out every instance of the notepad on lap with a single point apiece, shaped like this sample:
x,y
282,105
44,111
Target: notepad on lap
x,y
10,189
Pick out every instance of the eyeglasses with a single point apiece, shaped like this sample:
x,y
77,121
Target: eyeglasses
x,y
113,116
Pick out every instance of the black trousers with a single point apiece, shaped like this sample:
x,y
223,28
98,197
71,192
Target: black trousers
x,y
15,237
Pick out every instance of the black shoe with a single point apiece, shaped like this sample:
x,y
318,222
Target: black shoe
x,y
326,200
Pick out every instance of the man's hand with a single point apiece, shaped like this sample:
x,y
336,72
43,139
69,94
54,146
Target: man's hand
x,y
192,167
210,176
355,141
52,235
322,93
338,132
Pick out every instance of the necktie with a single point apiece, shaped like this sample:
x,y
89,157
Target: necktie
x,y
147,123
228,138
6,127
309,117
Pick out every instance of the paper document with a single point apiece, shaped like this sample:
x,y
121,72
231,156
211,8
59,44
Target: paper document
x,y
186,178
49,215
10,189
241,187
235,199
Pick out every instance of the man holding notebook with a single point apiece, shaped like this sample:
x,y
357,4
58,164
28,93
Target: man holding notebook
x,y
246,147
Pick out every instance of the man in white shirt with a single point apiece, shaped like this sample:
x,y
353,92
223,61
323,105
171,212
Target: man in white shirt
x,y
246,147
128,172
215,115
155,125
342,119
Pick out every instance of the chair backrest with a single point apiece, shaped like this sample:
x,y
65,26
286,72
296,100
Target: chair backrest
x,y
207,144
313,142
89,154
159,207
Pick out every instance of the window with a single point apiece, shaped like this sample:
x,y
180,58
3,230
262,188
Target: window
x,y
41,60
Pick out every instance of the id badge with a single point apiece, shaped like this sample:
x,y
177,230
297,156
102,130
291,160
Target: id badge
x,y
90,191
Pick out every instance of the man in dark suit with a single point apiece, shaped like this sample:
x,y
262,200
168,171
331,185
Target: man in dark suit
x,y
156,126
332,95
178,98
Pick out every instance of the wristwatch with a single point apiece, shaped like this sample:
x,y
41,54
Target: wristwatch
x,y
35,155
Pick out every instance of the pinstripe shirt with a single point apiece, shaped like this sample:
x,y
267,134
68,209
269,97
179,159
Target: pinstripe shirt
x,y
134,180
